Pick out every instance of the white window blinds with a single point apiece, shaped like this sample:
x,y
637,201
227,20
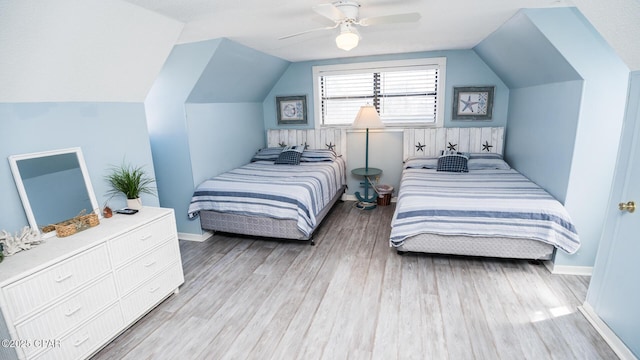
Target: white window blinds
x,y
342,96
401,94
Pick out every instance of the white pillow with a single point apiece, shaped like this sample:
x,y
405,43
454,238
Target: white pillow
x,y
421,163
487,161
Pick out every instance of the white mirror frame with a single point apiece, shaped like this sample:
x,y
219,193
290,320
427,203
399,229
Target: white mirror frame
x,y
13,162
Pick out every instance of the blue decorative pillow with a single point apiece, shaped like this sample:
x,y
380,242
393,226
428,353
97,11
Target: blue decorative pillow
x,y
453,163
267,154
290,155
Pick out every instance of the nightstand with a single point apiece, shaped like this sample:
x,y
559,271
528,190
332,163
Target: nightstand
x,y
366,202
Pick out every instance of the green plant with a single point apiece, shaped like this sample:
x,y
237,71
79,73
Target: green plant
x,y
130,181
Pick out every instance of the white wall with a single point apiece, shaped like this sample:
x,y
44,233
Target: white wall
x,y
81,50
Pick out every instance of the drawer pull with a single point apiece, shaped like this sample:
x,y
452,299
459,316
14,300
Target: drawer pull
x,y
63,278
152,290
146,237
71,312
150,263
81,341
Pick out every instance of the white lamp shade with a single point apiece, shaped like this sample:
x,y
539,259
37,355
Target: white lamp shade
x,y
347,40
367,118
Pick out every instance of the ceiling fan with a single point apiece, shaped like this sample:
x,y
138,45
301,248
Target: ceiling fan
x,y
344,14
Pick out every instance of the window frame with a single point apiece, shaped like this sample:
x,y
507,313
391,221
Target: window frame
x,y
352,68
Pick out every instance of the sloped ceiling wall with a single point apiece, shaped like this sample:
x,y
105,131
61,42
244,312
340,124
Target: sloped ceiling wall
x,y
237,73
522,56
81,50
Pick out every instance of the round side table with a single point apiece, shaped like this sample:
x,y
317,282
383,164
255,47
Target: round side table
x,y
366,202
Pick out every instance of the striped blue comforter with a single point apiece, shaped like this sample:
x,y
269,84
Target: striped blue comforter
x,y
297,192
490,203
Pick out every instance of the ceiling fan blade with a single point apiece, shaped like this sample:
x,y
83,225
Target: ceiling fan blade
x,y
329,11
308,31
390,19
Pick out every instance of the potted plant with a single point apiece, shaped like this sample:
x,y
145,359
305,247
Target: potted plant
x,y
131,181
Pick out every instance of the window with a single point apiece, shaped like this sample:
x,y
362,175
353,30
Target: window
x,y
407,92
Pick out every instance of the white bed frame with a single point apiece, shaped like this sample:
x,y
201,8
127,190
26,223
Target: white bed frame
x,y
466,140
324,138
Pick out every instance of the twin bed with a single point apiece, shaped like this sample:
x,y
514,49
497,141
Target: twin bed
x,y
490,210
267,199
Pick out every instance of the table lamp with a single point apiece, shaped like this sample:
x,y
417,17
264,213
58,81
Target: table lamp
x,y
367,118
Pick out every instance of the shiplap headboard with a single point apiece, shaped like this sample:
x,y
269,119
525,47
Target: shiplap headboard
x,y
335,138
429,142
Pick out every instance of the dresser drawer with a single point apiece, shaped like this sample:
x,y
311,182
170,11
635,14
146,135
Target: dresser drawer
x,y
145,267
147,295
138,241
71,312
88,338
26,296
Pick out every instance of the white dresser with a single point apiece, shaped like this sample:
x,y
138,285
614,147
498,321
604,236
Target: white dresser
x,y
68,297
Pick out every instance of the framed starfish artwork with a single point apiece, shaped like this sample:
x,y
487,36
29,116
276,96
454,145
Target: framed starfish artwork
x,y
472,102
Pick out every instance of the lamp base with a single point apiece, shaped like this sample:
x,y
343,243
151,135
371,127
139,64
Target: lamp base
x,y
363,205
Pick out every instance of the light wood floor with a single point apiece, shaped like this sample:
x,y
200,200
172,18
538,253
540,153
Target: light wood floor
x,y
352,297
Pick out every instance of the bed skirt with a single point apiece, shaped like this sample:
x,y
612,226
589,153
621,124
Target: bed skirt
x,y
261,226
478,246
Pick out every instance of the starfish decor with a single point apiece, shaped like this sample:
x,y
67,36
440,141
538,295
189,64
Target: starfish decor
x,y
306,146
420,147
468,104
452,147
282,144
331,146
486,147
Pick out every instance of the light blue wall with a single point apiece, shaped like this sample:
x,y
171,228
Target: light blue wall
x,y
544,102
107,133
236,73
609,308
165,107
205,116
223,136
581,125
522,56
464,68
541,133
599,126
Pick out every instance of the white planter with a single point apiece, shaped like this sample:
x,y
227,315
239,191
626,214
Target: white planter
x,y
134,203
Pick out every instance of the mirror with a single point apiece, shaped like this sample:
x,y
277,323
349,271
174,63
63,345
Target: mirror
x,y
54,186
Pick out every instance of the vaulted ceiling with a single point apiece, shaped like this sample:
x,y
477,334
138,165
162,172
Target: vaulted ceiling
x,y
444,24
93,50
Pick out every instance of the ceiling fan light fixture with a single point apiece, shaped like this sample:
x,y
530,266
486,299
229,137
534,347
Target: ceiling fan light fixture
x,y
348,38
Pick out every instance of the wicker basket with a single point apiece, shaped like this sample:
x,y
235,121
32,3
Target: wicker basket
x,y
91,220
65,229
76,224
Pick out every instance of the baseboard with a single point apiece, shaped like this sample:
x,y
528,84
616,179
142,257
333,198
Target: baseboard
x,y
607,334
195,237
349,197
568,269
